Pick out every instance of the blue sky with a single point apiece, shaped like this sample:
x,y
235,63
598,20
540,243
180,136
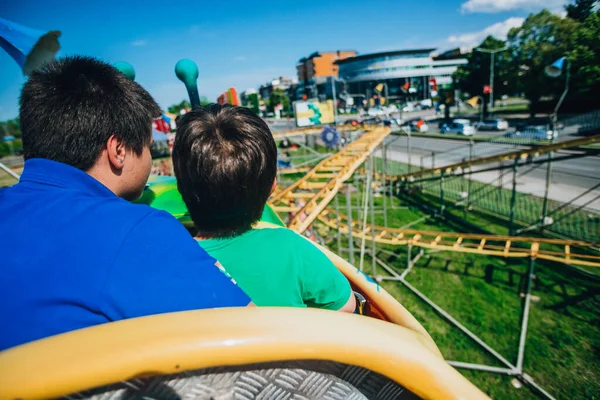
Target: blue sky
x,y
246,43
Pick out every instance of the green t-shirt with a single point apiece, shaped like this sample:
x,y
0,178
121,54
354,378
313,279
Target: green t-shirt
x,y
278,267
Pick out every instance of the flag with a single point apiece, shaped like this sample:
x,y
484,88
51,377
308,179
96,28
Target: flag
x,y
473,101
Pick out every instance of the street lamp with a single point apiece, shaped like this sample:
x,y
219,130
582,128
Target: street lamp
x,y
554,71
492,52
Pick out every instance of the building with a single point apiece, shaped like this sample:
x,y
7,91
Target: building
x,y
404,75
314,71
283,83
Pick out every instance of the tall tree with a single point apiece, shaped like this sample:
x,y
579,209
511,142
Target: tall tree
x,y
543,38
585,62
278,96
581,9
11,127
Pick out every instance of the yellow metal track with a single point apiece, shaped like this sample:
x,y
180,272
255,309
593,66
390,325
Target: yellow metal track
x,y
319,186
490,245
317,130
512,155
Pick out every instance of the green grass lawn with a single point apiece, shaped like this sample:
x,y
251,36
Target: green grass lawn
x,y
484,293
563,344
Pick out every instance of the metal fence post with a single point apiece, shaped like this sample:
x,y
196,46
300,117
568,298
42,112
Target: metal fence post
x,y
547,189
470,170
513,199
384,176
409,150
442,193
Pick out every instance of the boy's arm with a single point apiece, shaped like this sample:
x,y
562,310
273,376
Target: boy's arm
x,y
160,269
350,306
323,285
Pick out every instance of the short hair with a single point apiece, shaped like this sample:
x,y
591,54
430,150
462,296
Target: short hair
x,y
225,161
70,107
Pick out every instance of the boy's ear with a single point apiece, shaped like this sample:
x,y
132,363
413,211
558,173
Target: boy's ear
x,y
274,186
116,152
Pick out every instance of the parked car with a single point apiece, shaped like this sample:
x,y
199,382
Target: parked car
x,y
376,111
461,127
495,124
533,132
407,108
353,122
418,125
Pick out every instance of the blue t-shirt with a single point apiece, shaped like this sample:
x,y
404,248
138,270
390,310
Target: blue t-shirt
x,y
75,255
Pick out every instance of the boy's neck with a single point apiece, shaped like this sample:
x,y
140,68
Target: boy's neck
x,y
204,236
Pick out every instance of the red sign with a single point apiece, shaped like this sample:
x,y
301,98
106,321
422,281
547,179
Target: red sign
x,y
487,89
433,84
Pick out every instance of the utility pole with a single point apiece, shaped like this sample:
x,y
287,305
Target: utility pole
x,y
492,53
335,116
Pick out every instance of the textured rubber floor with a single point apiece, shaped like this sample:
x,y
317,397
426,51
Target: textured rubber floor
x,y
290,380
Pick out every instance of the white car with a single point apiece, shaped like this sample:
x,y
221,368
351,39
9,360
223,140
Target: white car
x,y
376,111
460,128
495,124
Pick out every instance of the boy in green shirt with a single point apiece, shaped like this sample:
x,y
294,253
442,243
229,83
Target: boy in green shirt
x,y
225,161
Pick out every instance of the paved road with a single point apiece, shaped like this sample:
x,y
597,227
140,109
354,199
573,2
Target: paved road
x,y
570,178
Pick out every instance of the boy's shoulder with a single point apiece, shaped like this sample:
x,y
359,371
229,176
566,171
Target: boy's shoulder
x,y
285,239
279,234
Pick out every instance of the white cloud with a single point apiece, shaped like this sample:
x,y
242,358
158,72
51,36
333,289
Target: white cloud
x,y
240,58
498,30
139,43
494,6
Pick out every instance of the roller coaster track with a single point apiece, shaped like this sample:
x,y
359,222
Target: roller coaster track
x,y
527,154
318,130
490,245
320,185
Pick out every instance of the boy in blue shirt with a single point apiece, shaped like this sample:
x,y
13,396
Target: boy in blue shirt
x,y
76,253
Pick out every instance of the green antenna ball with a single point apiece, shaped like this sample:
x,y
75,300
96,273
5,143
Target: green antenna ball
x,y
187,71
126,69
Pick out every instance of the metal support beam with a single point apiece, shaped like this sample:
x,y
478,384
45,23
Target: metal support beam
x,y
350,224
450,318
525,321
339,232
372,209
9,171
479,367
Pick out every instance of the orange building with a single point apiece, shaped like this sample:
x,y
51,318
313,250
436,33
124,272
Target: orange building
x,y
321,64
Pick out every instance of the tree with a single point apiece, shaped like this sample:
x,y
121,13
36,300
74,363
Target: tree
x,y
11,127
580,10
542,39
176,108
472,77
253,102
278,96
585,62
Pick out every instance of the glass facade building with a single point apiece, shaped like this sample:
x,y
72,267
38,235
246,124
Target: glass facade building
x,y
410,75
